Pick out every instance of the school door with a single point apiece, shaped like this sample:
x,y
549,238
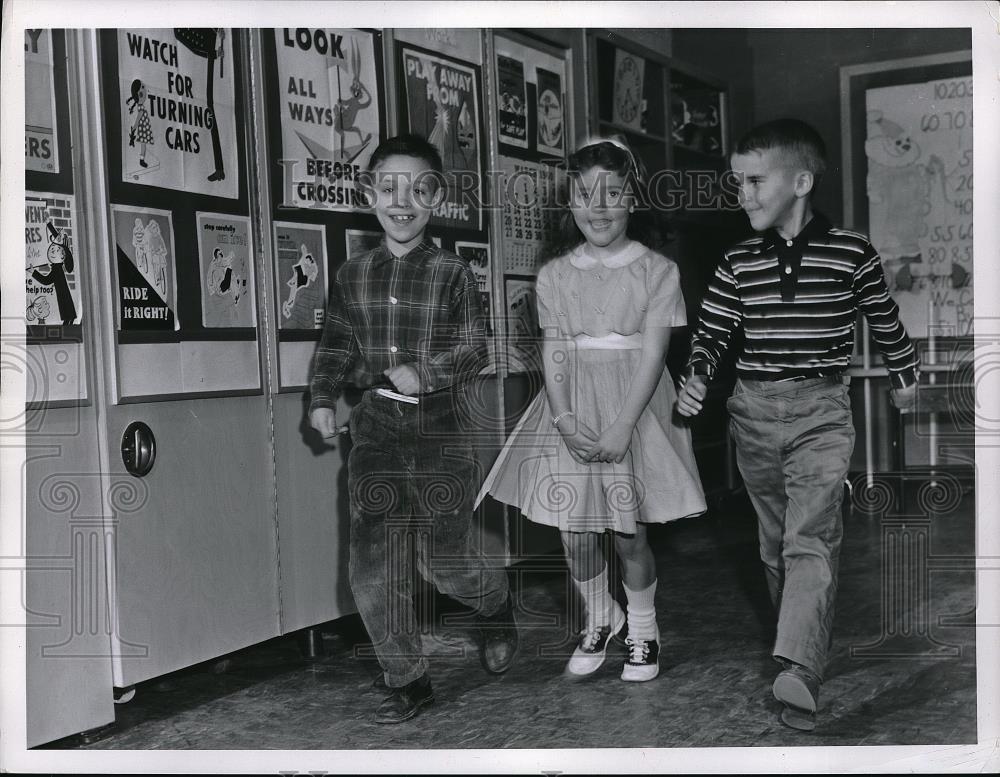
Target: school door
x,y
192,569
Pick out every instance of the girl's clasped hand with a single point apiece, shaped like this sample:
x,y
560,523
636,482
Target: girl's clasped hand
x,y
589,447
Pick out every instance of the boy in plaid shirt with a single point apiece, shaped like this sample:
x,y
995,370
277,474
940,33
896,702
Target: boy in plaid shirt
x,y
406,320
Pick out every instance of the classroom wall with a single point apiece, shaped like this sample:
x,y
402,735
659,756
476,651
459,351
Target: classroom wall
x,y
653,38
724,54
797,73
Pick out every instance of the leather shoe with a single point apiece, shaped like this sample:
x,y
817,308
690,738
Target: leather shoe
x,y
499,639
404,703
798,689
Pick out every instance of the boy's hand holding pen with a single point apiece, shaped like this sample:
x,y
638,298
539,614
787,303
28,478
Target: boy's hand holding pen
x,y
324,421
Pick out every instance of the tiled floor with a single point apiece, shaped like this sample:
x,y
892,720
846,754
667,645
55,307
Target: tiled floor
x,y
714,685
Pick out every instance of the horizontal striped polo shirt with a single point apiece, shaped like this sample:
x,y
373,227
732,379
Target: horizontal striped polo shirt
x,y
797,301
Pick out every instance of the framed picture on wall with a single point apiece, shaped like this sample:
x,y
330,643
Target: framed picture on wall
x,y
697,115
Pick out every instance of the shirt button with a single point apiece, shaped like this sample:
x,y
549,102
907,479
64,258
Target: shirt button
x,y
788,243
393,300
393,349
788,271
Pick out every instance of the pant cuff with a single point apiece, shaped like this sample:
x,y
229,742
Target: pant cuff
x,y
800,653
399,679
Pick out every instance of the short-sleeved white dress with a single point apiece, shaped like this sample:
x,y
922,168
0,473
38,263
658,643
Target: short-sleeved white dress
x,y
599,309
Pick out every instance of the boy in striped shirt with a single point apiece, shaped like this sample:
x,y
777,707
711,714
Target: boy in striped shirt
x,y
795,288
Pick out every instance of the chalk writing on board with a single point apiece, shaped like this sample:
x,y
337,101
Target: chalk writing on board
x,y
919,151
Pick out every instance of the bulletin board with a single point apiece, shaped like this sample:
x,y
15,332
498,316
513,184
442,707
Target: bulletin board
x,y
909,185
56,261
532,126
174,121
325,111
49,200
534,132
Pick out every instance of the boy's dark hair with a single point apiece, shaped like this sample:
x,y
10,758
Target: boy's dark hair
x,y
616,158
409,144
793,137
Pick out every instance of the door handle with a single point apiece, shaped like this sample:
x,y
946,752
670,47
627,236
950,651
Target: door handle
x,y
138,449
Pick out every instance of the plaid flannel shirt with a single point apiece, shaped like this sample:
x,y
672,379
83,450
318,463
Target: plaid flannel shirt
x,y
421,309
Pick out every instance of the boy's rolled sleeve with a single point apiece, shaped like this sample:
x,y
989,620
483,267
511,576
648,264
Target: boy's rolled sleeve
x,y
336,353
469,353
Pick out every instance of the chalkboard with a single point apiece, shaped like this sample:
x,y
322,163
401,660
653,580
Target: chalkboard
x,y
908,158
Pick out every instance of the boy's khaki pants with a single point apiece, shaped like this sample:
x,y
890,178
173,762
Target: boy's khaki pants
x,y
793,446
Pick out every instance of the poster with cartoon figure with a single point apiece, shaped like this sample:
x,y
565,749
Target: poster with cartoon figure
x,y
696,117
512,108
478,257
52,278
329,108
550,112
300,274
523,352
147,269
442,104
226,260
919,152
178,110
41,149
630,71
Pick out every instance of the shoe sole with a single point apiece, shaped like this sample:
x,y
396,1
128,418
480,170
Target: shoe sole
x,y
801,720
791,691
619,625
410,716
642,679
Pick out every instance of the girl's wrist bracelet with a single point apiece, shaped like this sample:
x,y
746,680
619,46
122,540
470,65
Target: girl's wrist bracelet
x,y
561,416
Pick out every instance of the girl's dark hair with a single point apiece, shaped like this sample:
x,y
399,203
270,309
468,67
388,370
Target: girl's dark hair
x,y
615,158
133,101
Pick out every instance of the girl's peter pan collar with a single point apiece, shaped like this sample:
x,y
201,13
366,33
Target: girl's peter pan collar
x,y
582,259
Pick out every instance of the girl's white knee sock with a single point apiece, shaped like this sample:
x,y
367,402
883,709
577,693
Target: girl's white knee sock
x,y
641,612
596,599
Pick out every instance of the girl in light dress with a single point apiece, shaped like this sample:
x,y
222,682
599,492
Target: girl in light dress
x,y
141,131
599,448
